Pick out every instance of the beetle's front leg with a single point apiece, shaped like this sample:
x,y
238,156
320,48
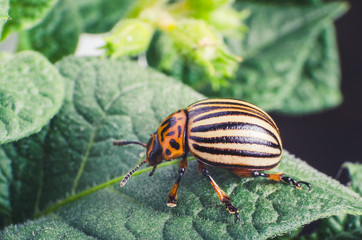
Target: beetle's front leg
x,y
172,196
224,198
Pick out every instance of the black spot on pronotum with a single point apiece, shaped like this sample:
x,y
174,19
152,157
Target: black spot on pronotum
x,y
170,133
174,144
179,131
168,152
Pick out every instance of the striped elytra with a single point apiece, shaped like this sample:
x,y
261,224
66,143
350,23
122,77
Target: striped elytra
x,y
226,133
233,133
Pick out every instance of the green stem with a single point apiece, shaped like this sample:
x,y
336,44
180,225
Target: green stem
x,y
84,193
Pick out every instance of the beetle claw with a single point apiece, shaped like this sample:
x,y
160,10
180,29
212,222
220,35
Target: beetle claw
x,y
171,202
307,184
153,170
232,209
296,183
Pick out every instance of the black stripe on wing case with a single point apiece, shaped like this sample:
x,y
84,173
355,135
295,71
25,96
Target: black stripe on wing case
x,y
233,152
232,126
220,101
235,139
233,113
247,111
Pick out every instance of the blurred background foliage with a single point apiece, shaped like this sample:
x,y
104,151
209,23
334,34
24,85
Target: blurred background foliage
x,y
280,55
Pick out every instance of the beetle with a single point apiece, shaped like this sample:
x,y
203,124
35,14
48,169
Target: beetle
x,y
223,133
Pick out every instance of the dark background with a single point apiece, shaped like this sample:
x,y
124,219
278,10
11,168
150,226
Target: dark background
x,y
326,140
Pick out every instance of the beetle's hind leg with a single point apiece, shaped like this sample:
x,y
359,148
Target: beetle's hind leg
x,y
279,177
224,198
172,196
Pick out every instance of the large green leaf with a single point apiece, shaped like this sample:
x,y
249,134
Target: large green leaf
x,y
26,13
319,82
291,63
60,30
107,100
45,228
31,92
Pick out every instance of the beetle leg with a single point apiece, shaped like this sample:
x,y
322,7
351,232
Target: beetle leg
x,y
279,177
172,196
153,170
224,198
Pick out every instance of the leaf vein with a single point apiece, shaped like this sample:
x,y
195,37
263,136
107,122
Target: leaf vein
x,y
94,134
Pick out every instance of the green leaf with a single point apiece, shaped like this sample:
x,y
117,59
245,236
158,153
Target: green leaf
x,y
24,14
60,30
318,87
4,16
282,69
44,228
22,161
31,92
108,100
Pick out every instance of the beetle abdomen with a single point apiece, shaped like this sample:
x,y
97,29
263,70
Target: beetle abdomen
x,y
232,133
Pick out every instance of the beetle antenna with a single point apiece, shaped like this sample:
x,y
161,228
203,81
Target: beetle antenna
x,y
128,176
122,143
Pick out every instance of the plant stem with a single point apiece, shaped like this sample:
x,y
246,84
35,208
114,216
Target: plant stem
x,y
84,193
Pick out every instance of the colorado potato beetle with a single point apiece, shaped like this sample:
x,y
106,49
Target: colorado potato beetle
x,y
225,133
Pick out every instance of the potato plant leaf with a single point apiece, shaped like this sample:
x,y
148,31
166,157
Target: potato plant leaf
x,y
31,92
80,194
